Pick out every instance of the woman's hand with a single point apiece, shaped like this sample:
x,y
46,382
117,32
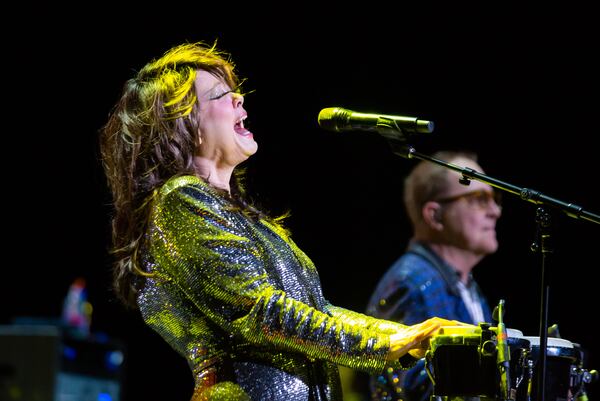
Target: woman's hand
x,y
415,339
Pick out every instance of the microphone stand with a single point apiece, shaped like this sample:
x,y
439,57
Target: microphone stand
x,y
541,244
543,223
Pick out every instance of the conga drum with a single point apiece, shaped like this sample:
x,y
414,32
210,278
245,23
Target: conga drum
x,y
562,360
462,361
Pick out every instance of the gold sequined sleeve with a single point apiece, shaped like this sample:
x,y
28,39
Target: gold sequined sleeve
x,y
360,319
211,256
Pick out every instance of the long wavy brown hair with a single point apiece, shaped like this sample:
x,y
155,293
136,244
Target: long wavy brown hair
x,y
150,137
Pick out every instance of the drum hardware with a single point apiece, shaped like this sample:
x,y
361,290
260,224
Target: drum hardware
x,y
579,378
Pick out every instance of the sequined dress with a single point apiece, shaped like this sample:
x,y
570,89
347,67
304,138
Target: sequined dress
x,y
243,304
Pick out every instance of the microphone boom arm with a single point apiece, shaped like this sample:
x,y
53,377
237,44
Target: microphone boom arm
x,y
526,194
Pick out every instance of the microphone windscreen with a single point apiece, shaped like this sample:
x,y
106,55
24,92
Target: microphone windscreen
x,y
329,117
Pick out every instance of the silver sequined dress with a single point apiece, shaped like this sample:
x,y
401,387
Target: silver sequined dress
x,y
243,304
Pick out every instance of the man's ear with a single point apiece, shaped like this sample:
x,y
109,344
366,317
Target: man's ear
x,y
432,215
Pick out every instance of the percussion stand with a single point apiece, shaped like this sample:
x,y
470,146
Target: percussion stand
x,y
401,148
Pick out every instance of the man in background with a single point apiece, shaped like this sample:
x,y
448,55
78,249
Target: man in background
x,y
454,228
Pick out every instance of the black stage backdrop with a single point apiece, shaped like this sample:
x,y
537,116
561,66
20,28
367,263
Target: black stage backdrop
x,y
519,86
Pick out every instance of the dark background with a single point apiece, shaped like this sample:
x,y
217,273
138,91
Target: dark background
x,y
517,85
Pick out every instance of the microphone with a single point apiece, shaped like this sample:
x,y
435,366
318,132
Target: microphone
x,y
393,127
503,355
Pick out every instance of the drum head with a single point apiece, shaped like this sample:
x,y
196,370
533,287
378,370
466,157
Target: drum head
x,y
555,347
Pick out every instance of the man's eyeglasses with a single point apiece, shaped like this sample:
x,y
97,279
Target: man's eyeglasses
x,y
480,198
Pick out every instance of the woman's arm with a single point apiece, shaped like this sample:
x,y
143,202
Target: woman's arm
x,y
212,259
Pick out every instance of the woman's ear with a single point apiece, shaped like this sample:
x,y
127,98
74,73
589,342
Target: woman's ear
x,y
198,138
198,142
432,215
